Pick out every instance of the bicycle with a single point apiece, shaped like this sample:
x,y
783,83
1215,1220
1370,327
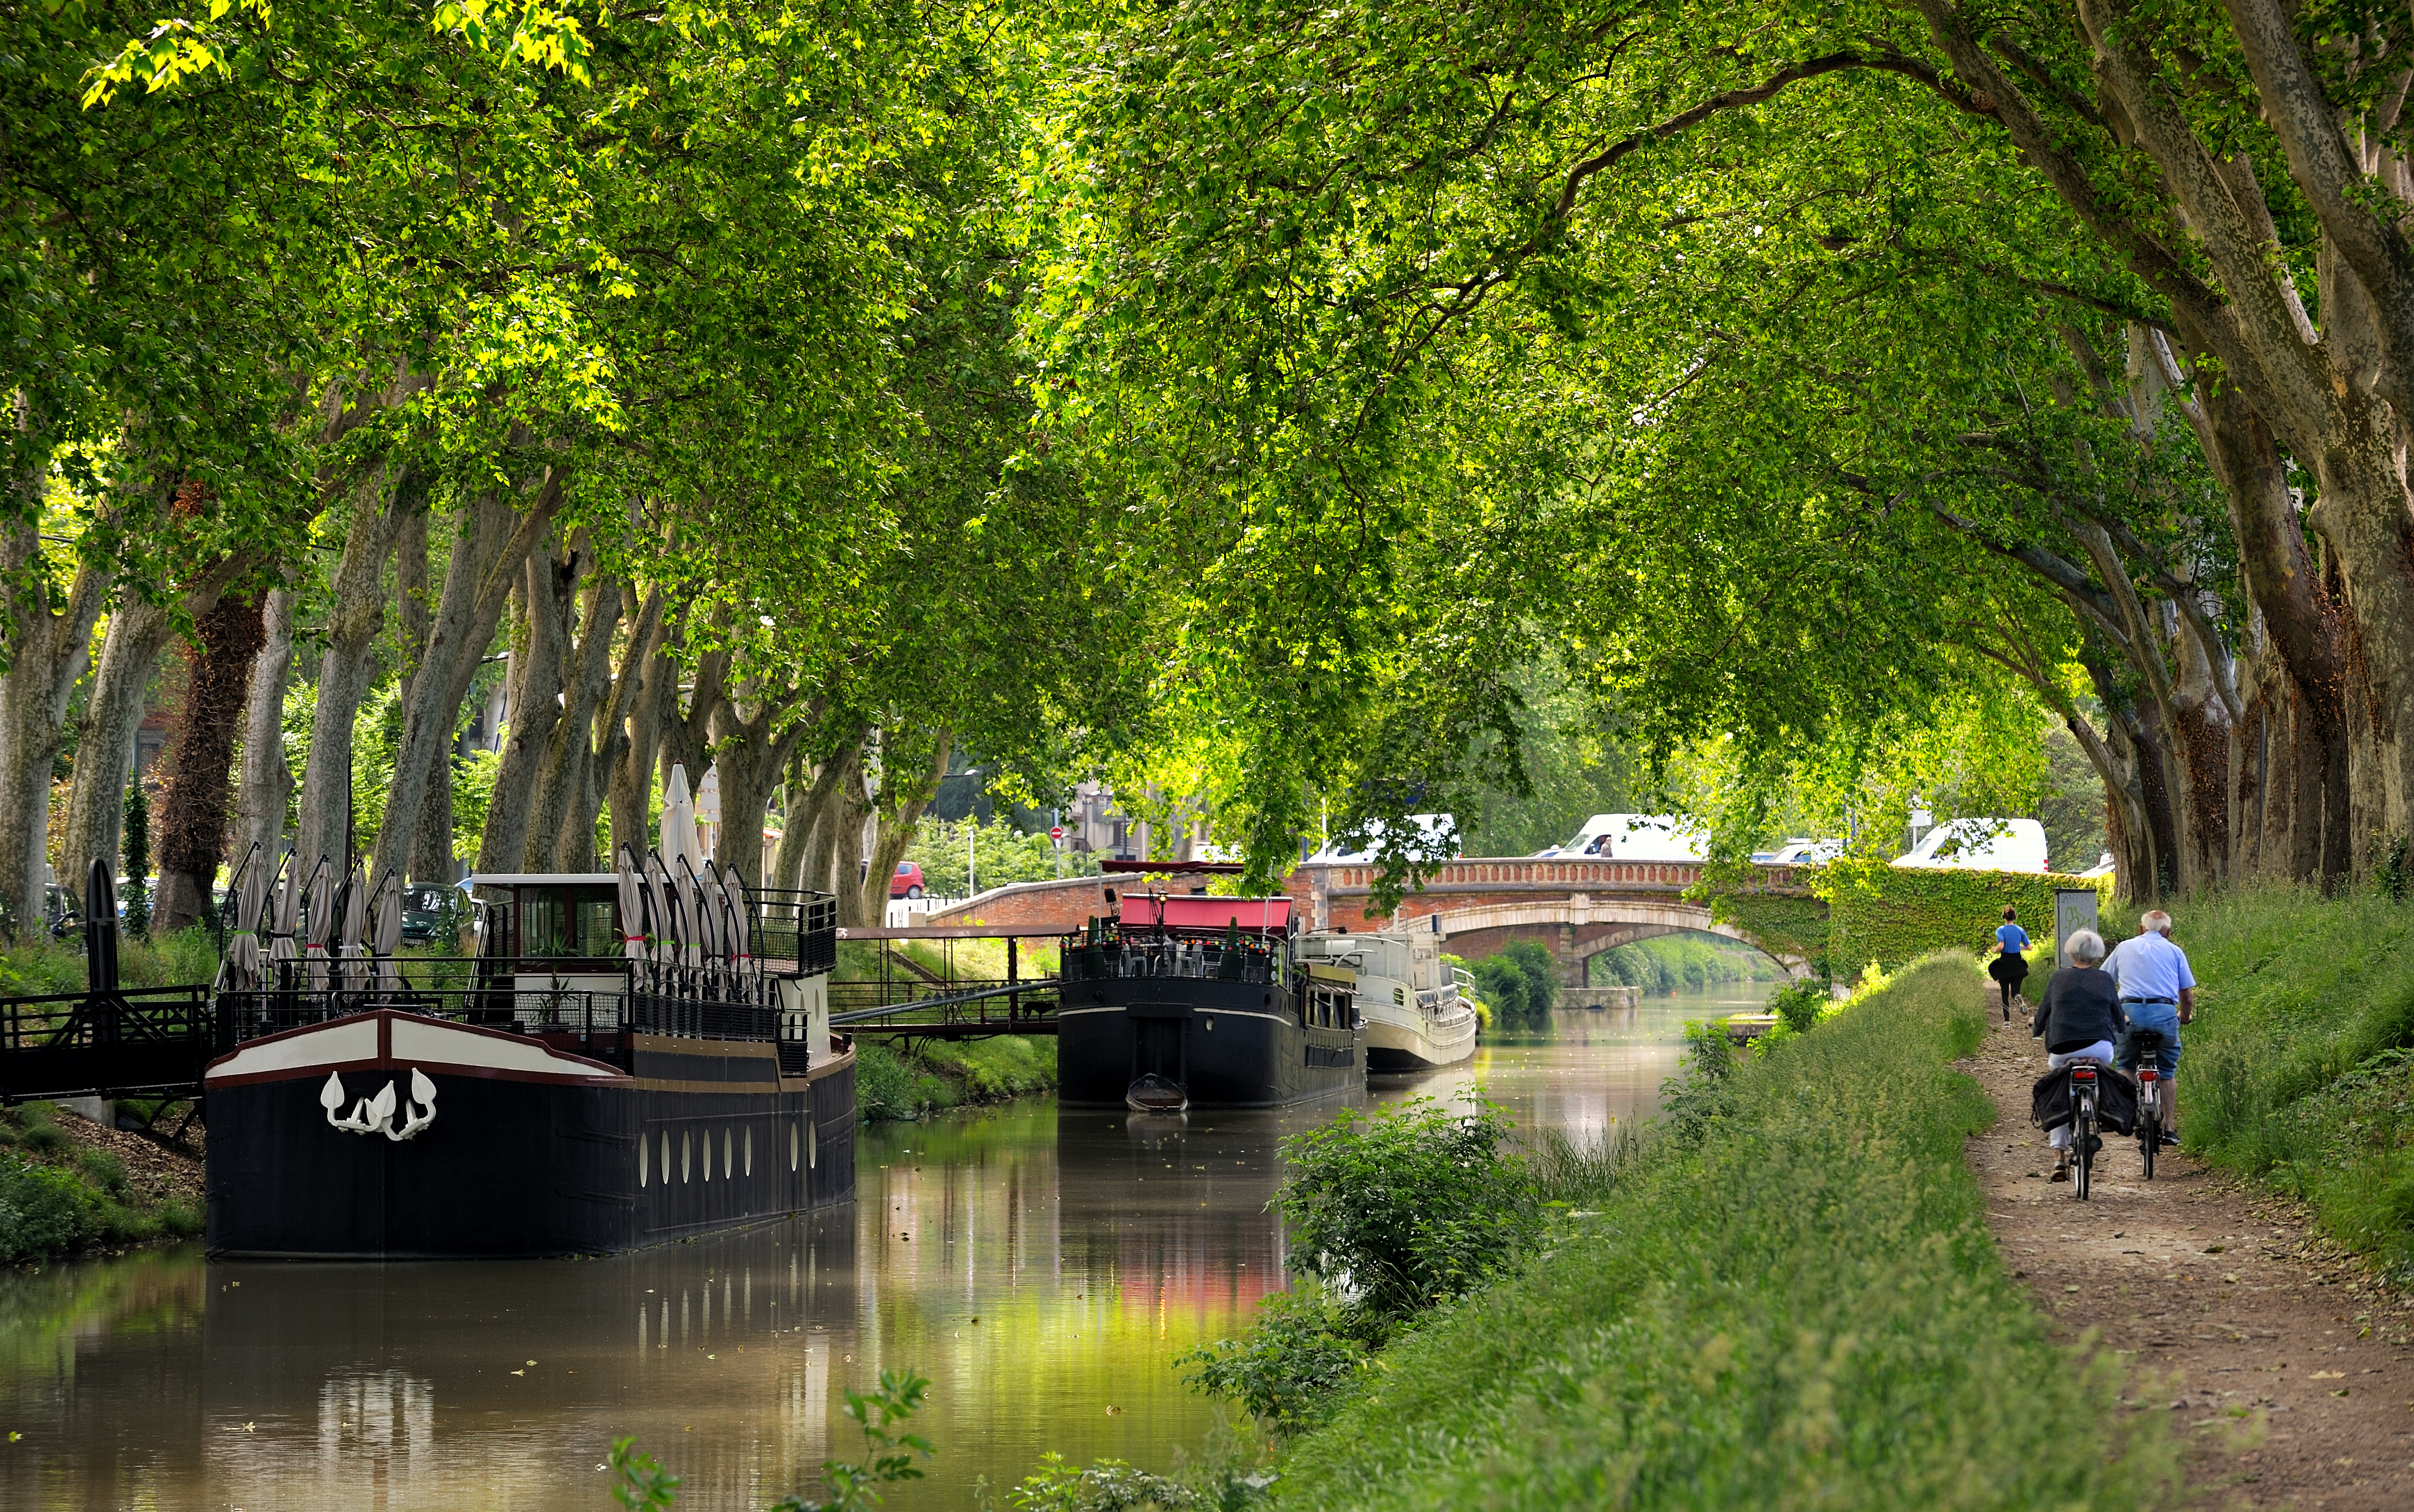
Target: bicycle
x,y
2146,1045
2084,1141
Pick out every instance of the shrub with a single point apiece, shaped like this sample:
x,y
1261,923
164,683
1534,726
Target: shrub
x,y
1292,1367
1520,983
890,1086
1409,1207
46,1139
43,1213
1799,1006
103,1169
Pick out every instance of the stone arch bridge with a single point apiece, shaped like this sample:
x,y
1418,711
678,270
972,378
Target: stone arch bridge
x,y
1574,908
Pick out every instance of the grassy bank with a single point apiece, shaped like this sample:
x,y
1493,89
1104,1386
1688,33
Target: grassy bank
x,y
40,968
68,1186
1788,1298
936,1074
2299,1066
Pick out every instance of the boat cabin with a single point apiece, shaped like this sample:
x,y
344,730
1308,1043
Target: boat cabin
x,y
549,916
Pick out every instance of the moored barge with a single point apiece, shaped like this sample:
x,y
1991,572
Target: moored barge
x,y
1207,995
627,1061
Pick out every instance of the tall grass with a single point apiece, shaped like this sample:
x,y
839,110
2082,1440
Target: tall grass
x,y
1796,1304
2300,1065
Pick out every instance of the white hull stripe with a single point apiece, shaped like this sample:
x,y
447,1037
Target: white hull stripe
x,y
384,1037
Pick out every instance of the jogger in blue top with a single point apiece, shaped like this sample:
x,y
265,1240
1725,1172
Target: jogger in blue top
x,y
2010,967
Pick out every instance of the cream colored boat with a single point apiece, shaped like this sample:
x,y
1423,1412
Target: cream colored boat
x,y
1415,1017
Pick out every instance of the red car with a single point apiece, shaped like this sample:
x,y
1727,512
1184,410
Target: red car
x,y
908,881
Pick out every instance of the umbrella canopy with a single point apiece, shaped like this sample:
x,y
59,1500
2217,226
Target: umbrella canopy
x,y
351,946
679,842
702,938
632,909
741,934
386,932
243,945
285,913
318,899
664,894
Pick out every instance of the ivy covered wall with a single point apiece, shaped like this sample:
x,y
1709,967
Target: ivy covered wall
x,y
1866,911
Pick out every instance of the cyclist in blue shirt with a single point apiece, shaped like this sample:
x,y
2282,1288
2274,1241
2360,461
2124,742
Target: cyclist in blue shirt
x,y
2157,992
2010,967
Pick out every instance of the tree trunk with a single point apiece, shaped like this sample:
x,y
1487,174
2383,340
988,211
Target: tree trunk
x,y
529,715
355,612
129,654
585,634
267,780
748,753
488,552
47,641
200,751
650,704
838,807
905,790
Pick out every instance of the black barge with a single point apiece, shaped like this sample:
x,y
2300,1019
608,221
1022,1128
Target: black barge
x,y
626,1061
1207,994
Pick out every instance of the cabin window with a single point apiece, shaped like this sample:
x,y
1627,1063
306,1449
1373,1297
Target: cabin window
x,y
643,1144
792,1147
750,1150
683,1149
557,922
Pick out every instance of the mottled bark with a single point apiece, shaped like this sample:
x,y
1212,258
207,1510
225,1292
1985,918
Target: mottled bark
x,y
267,780
355,614
489,551
48,636
201,753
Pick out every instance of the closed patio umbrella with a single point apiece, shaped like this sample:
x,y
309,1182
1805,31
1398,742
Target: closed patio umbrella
x,y
285,916
351,946
741,932
669,930
318,899
243,945
385,933
704,938
679,842
633,909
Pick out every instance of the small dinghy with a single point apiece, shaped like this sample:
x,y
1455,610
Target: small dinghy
x,y
1154,1093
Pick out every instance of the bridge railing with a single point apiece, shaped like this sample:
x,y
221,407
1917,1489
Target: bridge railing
x,y
133,1039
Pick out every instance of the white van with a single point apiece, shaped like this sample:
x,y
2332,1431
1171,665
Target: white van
x,y
1980,845
1633,838
1444,826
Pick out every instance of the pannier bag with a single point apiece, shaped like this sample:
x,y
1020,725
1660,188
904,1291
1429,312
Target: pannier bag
x,y
2116,1100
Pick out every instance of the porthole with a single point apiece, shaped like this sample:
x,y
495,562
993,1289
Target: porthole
x,y
643,1147
707,1154
728,1155
792,1144
812,1143
683,1157
750,1150
666,1157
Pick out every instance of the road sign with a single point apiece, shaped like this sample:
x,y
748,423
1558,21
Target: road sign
x,y
1056,832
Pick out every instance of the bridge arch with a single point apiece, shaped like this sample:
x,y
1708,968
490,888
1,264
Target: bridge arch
x,y
1573,909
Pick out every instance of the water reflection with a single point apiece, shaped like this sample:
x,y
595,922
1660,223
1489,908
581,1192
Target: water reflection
x,y
1044,1271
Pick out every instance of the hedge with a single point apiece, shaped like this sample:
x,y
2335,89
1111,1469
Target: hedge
x,y
1887,915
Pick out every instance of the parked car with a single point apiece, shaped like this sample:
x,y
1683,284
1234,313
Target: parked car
x,y
908,881
425,909
1980,845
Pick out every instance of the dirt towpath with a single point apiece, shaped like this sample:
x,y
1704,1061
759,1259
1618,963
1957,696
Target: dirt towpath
x,y
2286,1368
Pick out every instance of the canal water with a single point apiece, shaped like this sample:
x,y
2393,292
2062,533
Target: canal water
x,y
1043,1269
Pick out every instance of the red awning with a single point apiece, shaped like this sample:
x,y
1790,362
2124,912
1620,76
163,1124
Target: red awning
x,y
1194,910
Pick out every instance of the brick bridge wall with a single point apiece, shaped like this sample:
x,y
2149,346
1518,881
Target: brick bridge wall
x,y
1573,909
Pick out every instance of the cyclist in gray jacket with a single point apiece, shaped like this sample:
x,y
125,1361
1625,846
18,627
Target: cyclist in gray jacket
x,y
2079,1020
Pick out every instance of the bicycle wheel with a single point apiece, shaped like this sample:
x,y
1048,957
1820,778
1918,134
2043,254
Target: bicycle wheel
x,y
2082,1136
2149,1135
